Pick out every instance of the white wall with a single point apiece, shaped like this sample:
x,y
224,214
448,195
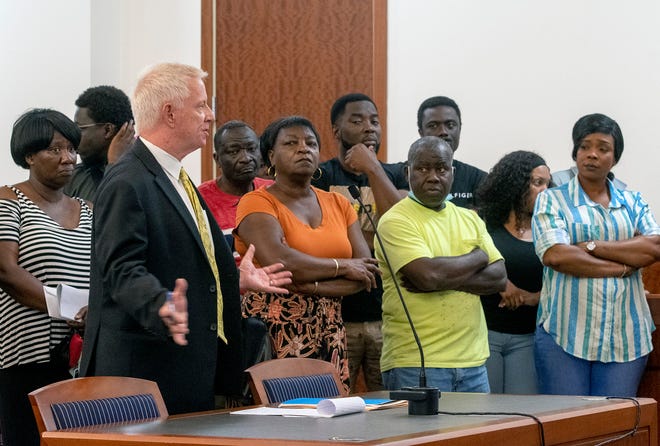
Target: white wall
x,y
45,57
52,51
128,35
523,72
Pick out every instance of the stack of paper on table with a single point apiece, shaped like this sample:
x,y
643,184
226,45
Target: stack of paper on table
x,y
322,408
369,403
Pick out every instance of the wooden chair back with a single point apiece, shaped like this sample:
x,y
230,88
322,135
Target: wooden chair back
x,y
289,368
651,278
89,388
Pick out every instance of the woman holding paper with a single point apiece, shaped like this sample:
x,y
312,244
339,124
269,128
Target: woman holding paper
x,y
45,240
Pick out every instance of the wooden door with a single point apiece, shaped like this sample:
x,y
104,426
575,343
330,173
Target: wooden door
x,y
271,58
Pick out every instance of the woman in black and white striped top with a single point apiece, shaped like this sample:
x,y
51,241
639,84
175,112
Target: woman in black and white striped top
x,y
45,240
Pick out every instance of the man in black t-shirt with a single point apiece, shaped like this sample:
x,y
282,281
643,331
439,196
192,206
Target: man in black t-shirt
x,y
357,131
440,116
105,119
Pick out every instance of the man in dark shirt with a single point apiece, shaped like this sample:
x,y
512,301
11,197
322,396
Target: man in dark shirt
x,y
440,116
357,131
106,122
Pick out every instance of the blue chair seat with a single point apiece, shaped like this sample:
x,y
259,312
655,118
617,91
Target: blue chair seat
x,y
308,386
104,411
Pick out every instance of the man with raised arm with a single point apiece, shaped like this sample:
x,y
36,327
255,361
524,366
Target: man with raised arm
x,y
357,131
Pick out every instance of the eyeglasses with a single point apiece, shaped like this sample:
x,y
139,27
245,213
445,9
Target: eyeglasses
x,y
86,126
57,150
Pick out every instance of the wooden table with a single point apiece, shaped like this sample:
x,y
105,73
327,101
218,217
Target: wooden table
x,y
650,384
567,420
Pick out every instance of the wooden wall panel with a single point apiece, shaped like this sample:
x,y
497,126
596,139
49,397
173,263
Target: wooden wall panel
x,y
208,170
651,278
285,57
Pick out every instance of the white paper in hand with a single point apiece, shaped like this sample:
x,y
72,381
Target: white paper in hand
x,y
65,301
52,302
71,300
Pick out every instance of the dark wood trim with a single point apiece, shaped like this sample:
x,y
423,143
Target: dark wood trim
x,y
378,74
207,49
380,69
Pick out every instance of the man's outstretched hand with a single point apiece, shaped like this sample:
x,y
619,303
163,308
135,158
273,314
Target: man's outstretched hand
x,y
269,278
174,312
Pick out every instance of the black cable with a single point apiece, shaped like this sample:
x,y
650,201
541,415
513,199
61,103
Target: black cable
x,y
519,414
631,432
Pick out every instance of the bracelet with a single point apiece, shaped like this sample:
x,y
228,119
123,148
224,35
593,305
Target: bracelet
x,y
625,270
316,286
336,268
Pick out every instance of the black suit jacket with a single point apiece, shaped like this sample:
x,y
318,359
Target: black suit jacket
x,y
145,238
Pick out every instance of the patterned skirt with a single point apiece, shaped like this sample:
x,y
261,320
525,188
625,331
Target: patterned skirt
x,y
302,326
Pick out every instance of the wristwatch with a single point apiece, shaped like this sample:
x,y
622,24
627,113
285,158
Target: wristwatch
x,y
590,246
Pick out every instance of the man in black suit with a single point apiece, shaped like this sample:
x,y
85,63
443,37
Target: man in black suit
x,y
152,236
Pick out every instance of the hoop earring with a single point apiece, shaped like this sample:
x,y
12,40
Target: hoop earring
x,y
320,172
271,171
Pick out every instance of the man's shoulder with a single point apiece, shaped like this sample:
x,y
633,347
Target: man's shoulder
x,y
84,182
402,209
333,174
207,184
461,212
125,168
331,164
80,167
397,174
208,187
333,168
563,176
467,169
80,171
129,171
397,167
467,179
261,182
409,214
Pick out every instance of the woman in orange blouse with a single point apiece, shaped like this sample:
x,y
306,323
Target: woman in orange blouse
x,y
315,234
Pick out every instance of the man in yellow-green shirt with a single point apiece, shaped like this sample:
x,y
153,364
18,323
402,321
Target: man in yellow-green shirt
x,y
444,259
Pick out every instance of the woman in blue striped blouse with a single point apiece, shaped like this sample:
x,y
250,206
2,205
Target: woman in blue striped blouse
x,y
594,327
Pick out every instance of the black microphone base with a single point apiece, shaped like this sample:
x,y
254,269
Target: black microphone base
x,y
421,400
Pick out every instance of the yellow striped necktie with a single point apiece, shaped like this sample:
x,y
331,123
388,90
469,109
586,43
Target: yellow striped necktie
x,y
205,234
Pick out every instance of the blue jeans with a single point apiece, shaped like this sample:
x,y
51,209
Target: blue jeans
x,y
511,366
563,374
470,379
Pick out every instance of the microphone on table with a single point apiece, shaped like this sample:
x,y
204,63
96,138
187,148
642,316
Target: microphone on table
x,y
422,400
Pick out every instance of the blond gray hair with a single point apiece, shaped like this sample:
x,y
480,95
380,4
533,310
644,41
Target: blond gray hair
x,y
158,84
